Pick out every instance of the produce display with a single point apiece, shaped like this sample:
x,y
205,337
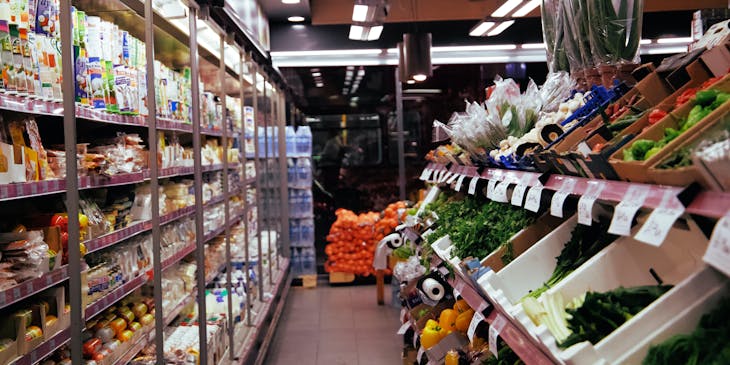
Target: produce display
x,y
353,238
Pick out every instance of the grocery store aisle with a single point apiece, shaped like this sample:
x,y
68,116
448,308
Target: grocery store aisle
x,y
336,326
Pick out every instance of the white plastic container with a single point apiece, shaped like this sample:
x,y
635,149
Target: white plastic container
x,y
627,262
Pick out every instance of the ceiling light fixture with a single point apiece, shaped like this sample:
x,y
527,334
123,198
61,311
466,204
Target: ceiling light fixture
x,y
290,1
500,28
411,82
417,56
295,19
533,46
319,84
481,28
356,32
420,77
316,74
506,8
365,32
375,32
527,8
684,40
360,12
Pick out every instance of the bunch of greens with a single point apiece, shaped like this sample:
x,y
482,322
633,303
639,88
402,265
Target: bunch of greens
x,y
585,242
708,343
476,228
615,29
506,356
404,252
681,158
602,313
552,30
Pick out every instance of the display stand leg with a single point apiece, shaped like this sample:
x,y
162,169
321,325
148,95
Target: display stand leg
x,y
380,286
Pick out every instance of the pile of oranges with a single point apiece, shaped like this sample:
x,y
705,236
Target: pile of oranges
x,y
354,237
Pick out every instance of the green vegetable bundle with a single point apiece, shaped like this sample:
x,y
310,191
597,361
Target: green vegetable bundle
x,y
615,29
506,356
585,242
552,30
708,344
577,28
602,313
476,228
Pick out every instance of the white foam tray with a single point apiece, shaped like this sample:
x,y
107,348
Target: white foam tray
x,y
626,262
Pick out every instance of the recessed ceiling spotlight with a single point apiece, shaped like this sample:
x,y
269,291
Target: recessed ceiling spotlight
x,y
319,84
316,74
290,1
411,82
295,19
420,77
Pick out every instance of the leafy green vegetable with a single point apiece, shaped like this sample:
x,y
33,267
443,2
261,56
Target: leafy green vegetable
x,y
506,356
602,313
681,158
614,32
403,252
707,344
476,228
585,242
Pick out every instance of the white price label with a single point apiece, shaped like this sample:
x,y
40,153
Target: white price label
x,y
556,204
626,209
490,189
421,351
500,192
459,182
533,199
437,175
402,330
457,293
518,194
425,174
660,221
475,320
473,185
452,178
585,204
718,252
494,330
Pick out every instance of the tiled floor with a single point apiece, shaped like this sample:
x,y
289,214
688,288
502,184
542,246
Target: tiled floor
x,y
336,326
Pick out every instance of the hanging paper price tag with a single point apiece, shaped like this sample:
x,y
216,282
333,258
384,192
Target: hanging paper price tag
x,y
500,192
459,182
718,252
660,221
457,292
452,178
425,174
419,356
402,330
494,330
518,194
475,320
473,185
532,202
627,208
585,204
556,204
445,176
490,189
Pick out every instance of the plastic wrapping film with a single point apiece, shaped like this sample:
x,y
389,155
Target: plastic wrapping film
x,y
552,30
578,26
615,30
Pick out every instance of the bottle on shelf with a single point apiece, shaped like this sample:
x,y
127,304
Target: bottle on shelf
x,y
304,173
291,141
304,141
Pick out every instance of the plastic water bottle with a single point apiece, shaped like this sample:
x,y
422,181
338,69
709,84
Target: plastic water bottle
x,y
262,141
291,173
295,233
306,205
306,232
304,141
291,141
307,259
304,173
296,261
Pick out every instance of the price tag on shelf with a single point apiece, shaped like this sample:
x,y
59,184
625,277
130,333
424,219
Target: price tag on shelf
x,y
419,356
453,178
457,293
459,182
532,202
660,221
585,204
556,204
425,174
473,185
490,189
402,330
718,252
475,320
627,208
449,177
500,192
518,194
494,330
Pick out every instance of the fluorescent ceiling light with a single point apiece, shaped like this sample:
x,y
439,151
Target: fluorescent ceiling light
x,y
527,8
361,72
375,32
342,52
481,29
290,1
355,32
475,60
422,91
667,50
506,8
684,40
645,41
411,82
360,13
533,46
491,47
295,19
500,28
420,77
316,74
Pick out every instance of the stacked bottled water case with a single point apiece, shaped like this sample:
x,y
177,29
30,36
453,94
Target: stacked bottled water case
x,y
301,202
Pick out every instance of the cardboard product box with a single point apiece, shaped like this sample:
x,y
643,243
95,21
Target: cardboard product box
x,y
717,59
523,240
12,168
9,330
681,69
56,299
433,313
38,319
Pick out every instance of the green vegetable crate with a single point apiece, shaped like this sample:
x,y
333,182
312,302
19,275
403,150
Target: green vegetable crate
x,y
629,263
669,128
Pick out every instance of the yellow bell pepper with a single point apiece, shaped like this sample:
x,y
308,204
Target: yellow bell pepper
x,y
447,319
431,334
463,320
461,306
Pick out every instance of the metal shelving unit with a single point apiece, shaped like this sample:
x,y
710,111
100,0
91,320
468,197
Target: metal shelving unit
x,y
165,41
